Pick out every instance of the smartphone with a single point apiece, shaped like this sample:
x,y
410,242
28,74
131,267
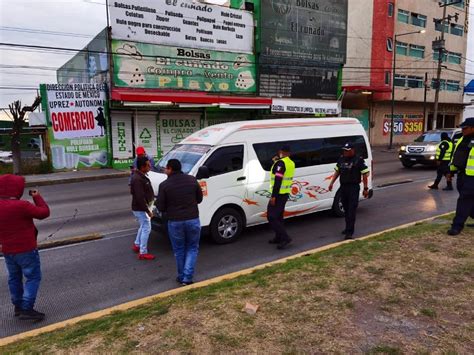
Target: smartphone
x,y
31,192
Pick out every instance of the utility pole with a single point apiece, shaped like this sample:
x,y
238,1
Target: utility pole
x,y
425,119
440,45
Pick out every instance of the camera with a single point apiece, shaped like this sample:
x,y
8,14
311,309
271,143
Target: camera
x,y
31,192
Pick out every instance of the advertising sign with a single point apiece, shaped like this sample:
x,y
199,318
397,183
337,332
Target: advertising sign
x,y
173,129
304,31
304,83
160,67
182,23
403,124
310,107
77,116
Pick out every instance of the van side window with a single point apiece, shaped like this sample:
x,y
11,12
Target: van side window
x,y
310,152
225,159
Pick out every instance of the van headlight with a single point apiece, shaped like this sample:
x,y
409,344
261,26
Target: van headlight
x,y
403,148
431,148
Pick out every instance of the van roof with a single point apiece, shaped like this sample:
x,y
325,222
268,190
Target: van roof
x,y
213,135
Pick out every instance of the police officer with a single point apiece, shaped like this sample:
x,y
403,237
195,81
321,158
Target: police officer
x,y
351,169
443,157
462,163
281,179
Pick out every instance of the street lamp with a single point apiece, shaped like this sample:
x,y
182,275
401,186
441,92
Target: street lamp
x,y
394,48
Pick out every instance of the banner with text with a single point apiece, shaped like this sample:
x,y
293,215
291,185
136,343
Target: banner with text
x,y
308,107
161,67
174,128
182,23
77,116
403,124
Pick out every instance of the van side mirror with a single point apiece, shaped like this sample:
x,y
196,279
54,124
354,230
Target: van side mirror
x,y
203,173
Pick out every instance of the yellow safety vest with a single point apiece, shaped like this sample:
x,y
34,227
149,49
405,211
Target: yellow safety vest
x,y
447,154
287,176
470,160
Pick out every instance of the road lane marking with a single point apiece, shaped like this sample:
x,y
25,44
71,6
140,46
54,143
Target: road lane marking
x,y
229,276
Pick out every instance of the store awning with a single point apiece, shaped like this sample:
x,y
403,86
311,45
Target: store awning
x,y
469,88
143,96
366,89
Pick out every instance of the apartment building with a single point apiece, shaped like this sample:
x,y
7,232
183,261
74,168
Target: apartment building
x,y
378,28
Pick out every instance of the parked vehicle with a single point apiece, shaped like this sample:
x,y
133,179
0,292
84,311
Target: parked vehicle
x,y
6,157
232,162
423,149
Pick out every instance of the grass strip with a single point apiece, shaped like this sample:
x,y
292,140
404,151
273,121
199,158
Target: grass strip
x,y
406,291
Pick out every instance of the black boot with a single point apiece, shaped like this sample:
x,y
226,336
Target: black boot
x,y
31,315
433,187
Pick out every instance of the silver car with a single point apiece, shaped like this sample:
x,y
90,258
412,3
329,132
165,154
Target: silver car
x,y
423,149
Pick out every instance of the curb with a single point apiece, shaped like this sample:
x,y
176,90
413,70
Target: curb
x,y
69,241
75,179
176,291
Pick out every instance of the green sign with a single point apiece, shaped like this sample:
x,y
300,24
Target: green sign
x,y
151,66
77,118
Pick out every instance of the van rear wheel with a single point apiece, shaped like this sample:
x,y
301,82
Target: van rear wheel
x,y
337,208
226,225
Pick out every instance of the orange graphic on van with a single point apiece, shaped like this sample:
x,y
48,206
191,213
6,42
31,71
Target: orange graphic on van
x,y
250,202
310,195
292,213
203,185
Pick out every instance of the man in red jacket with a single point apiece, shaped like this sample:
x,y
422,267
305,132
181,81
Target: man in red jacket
x,y
18,240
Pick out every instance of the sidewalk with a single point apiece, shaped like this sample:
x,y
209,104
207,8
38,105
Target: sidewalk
x,y
74,176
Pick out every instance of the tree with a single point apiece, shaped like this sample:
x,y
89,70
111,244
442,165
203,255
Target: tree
x,y
18,114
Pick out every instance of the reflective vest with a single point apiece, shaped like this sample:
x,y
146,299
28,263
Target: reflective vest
x,y
287,176
470,160
448,153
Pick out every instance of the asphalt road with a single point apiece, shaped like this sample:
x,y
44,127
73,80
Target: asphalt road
x,y
83,278
104,206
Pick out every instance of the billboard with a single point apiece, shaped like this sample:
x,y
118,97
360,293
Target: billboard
x,y
304,31
183,23
403,124
160,67
302,46
77,118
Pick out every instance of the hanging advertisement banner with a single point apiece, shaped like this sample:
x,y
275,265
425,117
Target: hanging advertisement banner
x,y
146,134
308,107
77,117
304,31
403,124
302,46
159,67
182,23
174,127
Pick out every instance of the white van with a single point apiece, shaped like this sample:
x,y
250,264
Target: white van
x,y
232,162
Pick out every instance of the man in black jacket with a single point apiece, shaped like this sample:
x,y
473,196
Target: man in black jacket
x,y
142,204
178,198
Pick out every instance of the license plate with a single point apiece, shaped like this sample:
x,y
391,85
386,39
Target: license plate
x,y
413,159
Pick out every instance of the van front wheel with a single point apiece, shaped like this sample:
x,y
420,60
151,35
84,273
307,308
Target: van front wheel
x,y
337,207
226,225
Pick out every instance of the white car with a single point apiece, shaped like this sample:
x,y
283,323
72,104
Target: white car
x,y
232,162
6,157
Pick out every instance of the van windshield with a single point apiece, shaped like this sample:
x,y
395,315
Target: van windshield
x,y
187,154
429,137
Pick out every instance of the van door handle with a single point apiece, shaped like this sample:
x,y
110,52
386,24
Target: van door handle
x,y
241,178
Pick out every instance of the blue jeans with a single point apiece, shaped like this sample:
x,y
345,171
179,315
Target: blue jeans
x,y
143,232
27,265
184,236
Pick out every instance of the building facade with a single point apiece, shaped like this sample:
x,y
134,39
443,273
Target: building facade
x,y
409,28
174,67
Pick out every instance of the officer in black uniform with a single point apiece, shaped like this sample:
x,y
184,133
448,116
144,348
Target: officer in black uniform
x,y
443,156
351,169
280,193
463,166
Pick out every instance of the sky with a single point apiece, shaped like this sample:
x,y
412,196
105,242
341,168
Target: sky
x,y
69,24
